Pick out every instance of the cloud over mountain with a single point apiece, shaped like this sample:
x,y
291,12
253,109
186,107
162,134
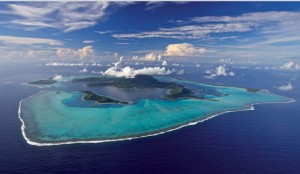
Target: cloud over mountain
x,y
129,72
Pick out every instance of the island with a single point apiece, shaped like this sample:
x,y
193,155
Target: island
x,y
174,92
90,109
90,96
252,90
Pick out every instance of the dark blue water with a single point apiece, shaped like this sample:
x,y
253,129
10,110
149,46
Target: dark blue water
x,y
266,140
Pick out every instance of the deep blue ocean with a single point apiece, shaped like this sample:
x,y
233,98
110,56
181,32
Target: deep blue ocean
x,y
266,140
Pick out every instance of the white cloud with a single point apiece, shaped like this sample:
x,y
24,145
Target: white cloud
x,y
153,57
104,32
84,70
148,57
225,61
39,54
290,66
14,52
96,64
287,87
72,64
135,58
129,72
287,66
88,41
251,17
180,72
57,77
86,51
183,49
276,26
208,71
189,31
231,73
274,34
65,16
152,5
81,53
219,71
64,64
28,40
65,52
116,54
164,63
208,25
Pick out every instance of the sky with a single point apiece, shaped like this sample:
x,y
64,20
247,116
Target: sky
x,y
246,32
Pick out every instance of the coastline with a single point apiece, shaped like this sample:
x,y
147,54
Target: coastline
x,y
150,134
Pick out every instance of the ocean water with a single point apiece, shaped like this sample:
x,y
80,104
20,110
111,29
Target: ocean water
x,y
265,140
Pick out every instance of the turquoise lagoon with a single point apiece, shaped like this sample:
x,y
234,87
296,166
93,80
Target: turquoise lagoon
x,y
60,116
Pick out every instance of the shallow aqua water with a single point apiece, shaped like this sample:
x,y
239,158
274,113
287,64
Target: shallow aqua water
x,y
52,117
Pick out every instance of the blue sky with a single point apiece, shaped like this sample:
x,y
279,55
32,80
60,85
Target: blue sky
x,y
248,32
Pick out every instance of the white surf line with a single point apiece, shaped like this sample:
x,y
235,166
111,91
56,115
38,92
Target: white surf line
x,y
27,84
23,127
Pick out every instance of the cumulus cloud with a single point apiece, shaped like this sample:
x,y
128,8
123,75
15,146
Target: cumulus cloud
x,y
148,57
183,49
85,52
81,53
153,57
180,72
65,52
225,61
287,66
164,63
290,66
287,87
129,72
84,70
219,71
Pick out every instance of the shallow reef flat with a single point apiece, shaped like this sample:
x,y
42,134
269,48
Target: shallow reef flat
x,y
60,116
